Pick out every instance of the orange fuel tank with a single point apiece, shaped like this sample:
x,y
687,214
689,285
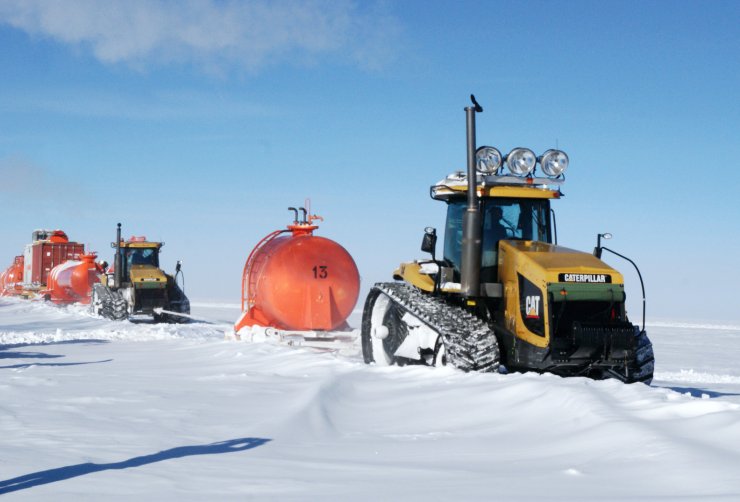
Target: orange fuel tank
x,y
295,280
12,278
72,281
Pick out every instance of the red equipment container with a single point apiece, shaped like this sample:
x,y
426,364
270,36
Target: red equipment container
x,y
12,278
43,255
72,281
294,280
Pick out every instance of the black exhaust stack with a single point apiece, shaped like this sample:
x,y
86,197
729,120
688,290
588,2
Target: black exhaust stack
x,y
471,241
117,262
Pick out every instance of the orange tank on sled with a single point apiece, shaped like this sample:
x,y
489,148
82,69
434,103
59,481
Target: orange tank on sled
x,y
11,280
294,280
72,281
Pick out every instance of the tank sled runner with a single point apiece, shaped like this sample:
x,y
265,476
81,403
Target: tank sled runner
x,y
137,285
298,289
505,293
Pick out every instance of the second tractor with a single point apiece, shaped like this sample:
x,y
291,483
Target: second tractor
x,y
137,285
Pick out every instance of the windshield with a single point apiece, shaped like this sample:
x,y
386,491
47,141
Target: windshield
x,y
141,256
522,219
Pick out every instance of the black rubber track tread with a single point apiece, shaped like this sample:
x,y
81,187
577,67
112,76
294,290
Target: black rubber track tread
x,y
114,307
644,359
470,344
642,366
178,302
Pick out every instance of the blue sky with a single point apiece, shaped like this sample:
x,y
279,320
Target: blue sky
x,y
199,123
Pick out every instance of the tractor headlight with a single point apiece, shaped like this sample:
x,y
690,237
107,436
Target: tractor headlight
x,y
487,160
554,162
521,161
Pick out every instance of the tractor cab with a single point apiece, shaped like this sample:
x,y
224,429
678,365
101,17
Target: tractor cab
x,y
511,209
142,256
139,262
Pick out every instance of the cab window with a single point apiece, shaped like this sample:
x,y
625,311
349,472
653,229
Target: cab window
x,y
141,256
502,218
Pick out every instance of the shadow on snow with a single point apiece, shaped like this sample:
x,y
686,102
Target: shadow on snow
x,y
73,471
5,353
28,365
61,342
698,392
27,355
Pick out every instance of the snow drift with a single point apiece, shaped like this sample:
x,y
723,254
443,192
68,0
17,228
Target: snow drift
x,y
120,410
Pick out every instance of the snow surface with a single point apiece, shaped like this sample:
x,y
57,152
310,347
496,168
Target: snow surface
x,y
101,410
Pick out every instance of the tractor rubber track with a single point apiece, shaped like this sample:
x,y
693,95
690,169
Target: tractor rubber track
x,y
470,345
642,366
109,304
644,359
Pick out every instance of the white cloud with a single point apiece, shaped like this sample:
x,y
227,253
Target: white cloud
x,y
210,33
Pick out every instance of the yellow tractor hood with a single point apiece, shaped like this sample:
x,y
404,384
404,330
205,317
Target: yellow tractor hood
x,y
548,263
535,273
147,276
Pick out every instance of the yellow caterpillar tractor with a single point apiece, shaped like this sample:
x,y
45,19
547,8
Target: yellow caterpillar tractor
x,y
504,293
137,285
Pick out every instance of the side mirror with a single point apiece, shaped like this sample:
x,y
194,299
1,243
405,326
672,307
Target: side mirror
x,y
598,248
429,242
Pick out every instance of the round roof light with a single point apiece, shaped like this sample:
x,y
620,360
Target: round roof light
x,y
554,162
521,161
488,160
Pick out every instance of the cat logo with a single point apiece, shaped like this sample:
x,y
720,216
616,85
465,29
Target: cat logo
x,y
532,307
